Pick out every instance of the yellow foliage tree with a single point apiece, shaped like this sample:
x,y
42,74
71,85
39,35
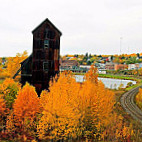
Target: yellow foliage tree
x,y
14,63
95,104
140,71
60,114
92,75
73,110
139,98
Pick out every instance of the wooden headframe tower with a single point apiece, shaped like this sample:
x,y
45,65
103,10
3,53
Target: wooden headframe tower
x,y
46,52
43,63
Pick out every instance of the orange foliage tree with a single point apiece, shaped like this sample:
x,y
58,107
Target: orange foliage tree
x,y
25,110
2,107
73,110
3,112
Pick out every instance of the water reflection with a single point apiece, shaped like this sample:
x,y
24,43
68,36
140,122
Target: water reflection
x,y
108,82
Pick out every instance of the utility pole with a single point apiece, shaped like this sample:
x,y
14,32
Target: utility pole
x,y
120,44
120,49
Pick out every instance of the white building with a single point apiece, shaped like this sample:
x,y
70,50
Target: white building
x,y
131,67
101,71
85,66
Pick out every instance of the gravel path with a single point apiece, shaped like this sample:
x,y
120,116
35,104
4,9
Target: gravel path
x,y
127,102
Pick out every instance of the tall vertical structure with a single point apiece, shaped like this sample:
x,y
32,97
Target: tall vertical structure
x,y
46,51
43,63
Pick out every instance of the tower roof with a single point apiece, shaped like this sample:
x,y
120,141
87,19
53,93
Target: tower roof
x,y
47,20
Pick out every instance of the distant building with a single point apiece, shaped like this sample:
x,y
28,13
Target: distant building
x,y
120,67
68,64
109,66
140,65
85,66
101,71
137,66
100,65
131,67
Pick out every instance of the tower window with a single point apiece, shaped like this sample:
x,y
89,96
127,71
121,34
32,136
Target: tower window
x,y
45,66
46,43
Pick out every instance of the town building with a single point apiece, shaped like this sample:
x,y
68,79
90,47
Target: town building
x,y
135,66
100,65
140,65
101,71
131,66
70,64
120,67
85,66
109,66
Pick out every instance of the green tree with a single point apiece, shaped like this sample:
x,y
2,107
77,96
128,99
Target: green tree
x,y
9,90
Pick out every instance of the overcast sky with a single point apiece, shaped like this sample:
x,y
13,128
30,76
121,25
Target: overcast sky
x,y
93,26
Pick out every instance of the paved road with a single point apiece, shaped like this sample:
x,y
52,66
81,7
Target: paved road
x,y
127,102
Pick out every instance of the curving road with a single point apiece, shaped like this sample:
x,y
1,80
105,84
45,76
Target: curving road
x,y
127,102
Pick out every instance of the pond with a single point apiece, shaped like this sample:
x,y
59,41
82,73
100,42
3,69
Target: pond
x,y
108,82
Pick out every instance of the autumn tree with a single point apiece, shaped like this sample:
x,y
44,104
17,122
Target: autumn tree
x,y
92,75
95,105
25,110
139,98
140,72
13,64
8,91
72,110
116,129
3,112
60,114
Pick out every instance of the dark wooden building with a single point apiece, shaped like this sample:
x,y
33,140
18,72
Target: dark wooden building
x,y
43,63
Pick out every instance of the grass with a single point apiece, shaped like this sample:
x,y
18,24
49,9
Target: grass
x,y
76,73
118,77
134,86
113,76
